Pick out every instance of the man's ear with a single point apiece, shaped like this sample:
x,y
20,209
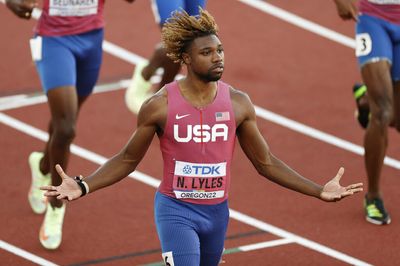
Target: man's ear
x,y
186,58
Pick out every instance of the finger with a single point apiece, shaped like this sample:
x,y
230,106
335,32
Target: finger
x,y
339,174
61,196
356,190
51,193
61,172
358,185
49,188
347,193
354,15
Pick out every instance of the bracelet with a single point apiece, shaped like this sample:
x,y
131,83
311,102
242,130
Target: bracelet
x,y
82,184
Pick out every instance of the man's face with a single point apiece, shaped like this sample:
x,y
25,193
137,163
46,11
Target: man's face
x,y
205,57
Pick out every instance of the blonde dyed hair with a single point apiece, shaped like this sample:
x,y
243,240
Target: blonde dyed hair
x,y
181,29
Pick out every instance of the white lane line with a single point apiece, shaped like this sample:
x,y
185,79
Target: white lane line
x,y
21,100
300,22
24,254
154,182
319,135
266,244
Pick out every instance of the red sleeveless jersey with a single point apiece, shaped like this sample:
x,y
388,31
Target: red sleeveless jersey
x,y
388,10
197,147
68,17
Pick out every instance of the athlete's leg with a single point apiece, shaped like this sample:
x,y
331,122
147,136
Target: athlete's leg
x,y
212,234
396,103
178,237
45,162
380,94
159,59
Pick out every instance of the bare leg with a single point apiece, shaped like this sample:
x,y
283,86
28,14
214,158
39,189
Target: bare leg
x,y
64,106
380,94
45,162
160,59
396,102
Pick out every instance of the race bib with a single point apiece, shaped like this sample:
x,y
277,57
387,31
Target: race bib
x,y
36,48
199,181
363,44
73,8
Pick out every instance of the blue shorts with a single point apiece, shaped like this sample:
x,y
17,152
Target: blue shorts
x,y
163,8
377,39
190,234
72,60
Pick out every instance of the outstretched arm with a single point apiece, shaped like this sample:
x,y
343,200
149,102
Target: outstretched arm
x,y
269,166
150,120
22,8
346,9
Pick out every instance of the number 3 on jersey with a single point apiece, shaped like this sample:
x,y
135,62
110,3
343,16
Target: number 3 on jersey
x,y
363,44
168,258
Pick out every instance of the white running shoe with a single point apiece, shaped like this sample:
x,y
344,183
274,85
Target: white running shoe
x,y
36,198
51,230
139,89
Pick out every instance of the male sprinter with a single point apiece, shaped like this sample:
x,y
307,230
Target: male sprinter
x,y
196,119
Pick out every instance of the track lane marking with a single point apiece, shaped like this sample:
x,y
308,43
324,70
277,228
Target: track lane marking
x,y
301,22
25,254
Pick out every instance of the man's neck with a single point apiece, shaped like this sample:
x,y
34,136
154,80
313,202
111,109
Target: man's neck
x,y
198,92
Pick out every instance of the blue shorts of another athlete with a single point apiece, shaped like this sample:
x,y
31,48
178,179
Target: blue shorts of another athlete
x,y
190,234
378,39
163,9
72,60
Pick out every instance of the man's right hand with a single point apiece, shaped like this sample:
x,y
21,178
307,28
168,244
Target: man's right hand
x,y
22,8
68,190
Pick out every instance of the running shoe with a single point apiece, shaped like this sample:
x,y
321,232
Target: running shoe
x,y
362,113
51,230
375,211
138,90
35,196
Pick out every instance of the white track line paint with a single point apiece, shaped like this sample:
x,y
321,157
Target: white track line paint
x,y
154,182
266,244
24,254
21,100
301,22
317,134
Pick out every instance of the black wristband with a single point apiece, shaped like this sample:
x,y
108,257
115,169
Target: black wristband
x,y
79,181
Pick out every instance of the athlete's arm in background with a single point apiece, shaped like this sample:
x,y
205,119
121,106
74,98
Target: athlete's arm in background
x,y
267,165
22,8
151,119
347,9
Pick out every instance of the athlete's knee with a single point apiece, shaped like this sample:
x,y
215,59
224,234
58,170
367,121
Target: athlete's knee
x,y
383,116
64,131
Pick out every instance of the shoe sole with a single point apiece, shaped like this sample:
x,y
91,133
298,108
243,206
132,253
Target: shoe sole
x,y
373,221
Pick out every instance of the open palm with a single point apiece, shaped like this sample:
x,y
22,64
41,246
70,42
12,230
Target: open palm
x,y
333,191
68,189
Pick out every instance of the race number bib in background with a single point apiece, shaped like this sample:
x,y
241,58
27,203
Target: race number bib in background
x,y
36,48
363,44
73,8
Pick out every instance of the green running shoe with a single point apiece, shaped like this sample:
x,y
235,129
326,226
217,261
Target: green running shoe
x,y
362,113
36,198
375,211
139,89
51,230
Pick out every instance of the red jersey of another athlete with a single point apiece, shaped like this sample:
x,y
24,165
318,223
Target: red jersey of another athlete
x,y
197,147
388,10
60,17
